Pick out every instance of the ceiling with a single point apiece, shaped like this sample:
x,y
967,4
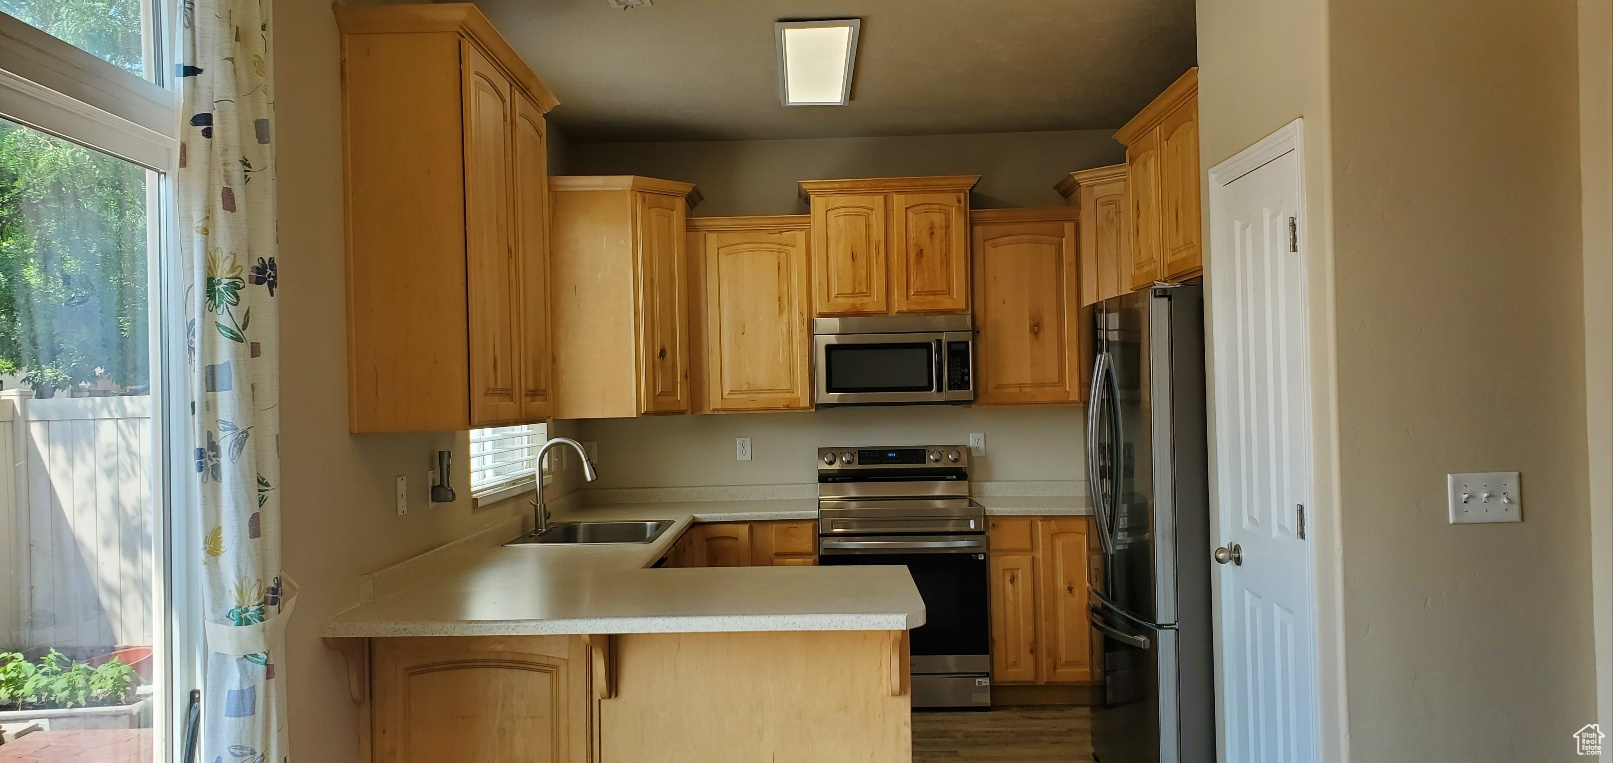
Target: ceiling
x,y
707,69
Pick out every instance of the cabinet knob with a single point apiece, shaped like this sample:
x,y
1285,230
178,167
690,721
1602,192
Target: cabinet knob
x,y
662,354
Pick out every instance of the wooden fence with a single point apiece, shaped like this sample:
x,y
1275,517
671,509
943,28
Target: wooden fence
x,y
76,519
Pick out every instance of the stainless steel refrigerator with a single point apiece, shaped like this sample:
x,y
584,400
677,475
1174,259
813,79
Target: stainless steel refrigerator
x,y
1147,471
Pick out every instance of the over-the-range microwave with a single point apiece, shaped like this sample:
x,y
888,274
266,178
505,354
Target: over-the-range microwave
x,y
893,359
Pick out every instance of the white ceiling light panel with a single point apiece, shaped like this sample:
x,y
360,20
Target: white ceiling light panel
x,y
816,60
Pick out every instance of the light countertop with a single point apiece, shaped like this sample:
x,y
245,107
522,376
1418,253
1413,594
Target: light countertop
x,y
481,588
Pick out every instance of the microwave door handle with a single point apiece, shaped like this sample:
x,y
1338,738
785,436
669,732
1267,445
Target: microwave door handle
x,y
940,367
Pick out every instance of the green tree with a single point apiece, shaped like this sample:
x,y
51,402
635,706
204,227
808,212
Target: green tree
x,y
73,226
111,29
73,230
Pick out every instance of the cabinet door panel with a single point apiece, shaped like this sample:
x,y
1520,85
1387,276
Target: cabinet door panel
x,y
1111,238
1013,617
848,249
1026,313
532,242
929,256
757,341
724,545
517,699
1066,635
1142,161
663,304
1180,233
493,270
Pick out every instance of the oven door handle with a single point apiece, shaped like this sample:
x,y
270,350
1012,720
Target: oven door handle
x,y
961,544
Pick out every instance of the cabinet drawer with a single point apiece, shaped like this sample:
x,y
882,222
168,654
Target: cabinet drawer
x,y
792,538
1010,534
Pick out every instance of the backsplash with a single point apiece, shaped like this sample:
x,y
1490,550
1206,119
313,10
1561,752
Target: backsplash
x,y
1022,444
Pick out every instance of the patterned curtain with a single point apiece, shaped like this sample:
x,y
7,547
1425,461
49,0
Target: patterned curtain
x,y
227,242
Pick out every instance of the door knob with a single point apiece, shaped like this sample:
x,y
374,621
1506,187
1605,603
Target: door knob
x,y
1234,555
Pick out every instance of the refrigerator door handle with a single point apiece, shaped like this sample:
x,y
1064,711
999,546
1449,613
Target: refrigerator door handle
x,y
1140,642
1094,464
1117,438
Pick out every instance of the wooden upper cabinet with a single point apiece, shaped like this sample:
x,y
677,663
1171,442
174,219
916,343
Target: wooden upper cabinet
x,y
1162,159
848,243
1142,178
523,699
890,245
532,239
1067,641
619,289
494,269
929,256
663,302
1028,349
446,248
1179,214
1105,231
750,337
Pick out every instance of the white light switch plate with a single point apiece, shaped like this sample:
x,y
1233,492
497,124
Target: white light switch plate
x,y
741,448
403,495
1484,497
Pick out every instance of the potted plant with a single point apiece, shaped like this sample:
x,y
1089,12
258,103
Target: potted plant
x,y
70,695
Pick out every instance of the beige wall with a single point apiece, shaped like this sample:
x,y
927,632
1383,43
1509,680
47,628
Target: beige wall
x,y
1022,444
1460,348
1596,183
758,177
339,518
1261,66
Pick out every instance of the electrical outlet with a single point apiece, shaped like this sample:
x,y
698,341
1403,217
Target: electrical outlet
x,y
1484,497
403,495
431,479
977,444
592,449
741,448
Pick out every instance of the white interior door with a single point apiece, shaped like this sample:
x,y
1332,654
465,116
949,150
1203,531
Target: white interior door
x,y
1267,615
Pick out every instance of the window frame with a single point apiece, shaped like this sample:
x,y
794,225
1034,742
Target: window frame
x,y
54,87
504,489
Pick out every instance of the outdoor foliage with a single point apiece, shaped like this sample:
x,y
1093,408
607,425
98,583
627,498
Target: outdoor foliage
x,y
73,228
57,682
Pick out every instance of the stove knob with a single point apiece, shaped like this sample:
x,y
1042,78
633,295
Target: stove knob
x,y
935,456
829,458
846,458
953,456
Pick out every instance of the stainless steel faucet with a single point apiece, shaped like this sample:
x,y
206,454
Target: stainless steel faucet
x,y
540,514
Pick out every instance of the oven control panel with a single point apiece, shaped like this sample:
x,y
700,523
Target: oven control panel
x,y
906,456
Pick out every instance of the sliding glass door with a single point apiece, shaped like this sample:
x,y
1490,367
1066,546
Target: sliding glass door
x,y
96,651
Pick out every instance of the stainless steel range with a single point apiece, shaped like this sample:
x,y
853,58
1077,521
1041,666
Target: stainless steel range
x,y
910,506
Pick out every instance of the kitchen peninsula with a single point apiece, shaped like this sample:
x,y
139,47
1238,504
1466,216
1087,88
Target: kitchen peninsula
x,y
480,651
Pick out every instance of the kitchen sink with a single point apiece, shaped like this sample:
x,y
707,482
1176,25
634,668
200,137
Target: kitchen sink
x,y
596,532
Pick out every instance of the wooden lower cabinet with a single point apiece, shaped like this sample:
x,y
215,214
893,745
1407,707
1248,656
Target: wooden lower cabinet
x,y
746,544
517,699
1039,574
726,544
788,697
